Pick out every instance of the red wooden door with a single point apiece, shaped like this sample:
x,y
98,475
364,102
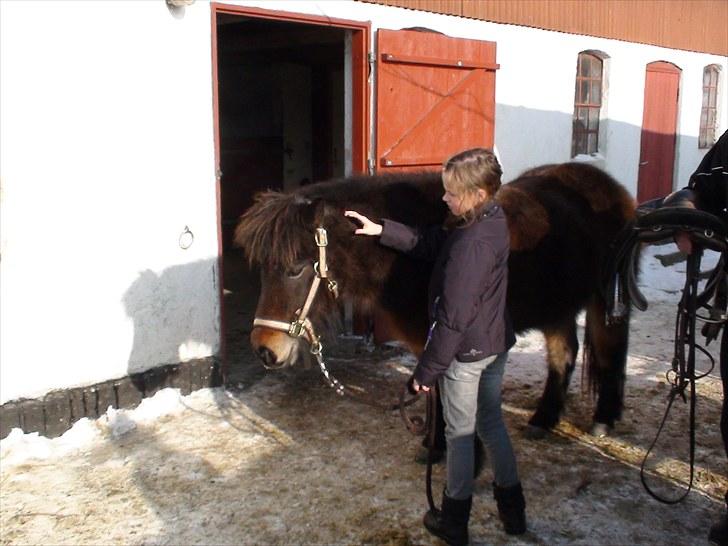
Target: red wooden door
x,y
435,97
659,124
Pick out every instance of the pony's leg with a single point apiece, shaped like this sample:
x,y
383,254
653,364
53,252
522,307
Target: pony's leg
x,y
605,351
562,345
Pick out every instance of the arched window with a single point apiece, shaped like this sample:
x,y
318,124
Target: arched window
x,y
587,104
709,114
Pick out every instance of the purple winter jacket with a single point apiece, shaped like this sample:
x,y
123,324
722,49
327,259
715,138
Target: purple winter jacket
x,y
467,291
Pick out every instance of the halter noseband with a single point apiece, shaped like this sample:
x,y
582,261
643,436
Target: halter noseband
x,y
301,326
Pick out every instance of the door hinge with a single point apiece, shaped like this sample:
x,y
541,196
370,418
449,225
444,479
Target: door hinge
x,y
371,57
370,166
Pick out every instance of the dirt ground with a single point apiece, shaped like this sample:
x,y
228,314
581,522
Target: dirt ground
x,y
279,458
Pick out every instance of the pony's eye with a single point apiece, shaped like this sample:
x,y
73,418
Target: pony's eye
x,y
295,271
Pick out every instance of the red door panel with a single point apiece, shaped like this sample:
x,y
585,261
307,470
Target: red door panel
x,y
435,97
659,126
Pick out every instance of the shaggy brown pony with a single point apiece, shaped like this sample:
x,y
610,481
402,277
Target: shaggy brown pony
x,y
562,219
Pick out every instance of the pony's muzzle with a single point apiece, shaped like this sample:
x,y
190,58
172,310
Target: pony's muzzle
x,y
275,349
269,359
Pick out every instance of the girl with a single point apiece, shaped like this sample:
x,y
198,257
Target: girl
x,y
468,342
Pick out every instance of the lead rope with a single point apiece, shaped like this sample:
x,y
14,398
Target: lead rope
x,y
418,427
684,371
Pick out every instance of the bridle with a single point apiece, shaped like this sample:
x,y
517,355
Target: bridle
x,y
706,231
301,326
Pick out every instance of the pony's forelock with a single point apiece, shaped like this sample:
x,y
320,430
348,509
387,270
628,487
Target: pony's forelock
x,y
271,232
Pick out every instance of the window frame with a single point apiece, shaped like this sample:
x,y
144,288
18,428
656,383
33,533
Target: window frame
x,y
585,139
709,109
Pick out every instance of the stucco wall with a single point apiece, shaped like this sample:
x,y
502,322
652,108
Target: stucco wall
x,y
107,153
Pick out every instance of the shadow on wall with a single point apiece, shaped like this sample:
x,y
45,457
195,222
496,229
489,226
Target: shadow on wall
x,y
175,344
176,321
528,138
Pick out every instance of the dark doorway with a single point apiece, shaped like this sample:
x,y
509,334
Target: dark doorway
x,y
282,91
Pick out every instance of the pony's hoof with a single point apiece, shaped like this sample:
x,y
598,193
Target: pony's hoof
x,y
600,430
532,432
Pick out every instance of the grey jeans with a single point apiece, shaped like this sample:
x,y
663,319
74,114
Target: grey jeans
x,y
471,401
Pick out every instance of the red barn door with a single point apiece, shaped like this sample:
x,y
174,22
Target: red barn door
x,y
659,127
435,97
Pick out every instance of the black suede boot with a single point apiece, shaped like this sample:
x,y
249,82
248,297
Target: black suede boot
x,y
511,508
719,532
451,522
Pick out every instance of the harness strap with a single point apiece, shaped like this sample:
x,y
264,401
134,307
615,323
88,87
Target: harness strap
x,y
683,369
620,289
309,298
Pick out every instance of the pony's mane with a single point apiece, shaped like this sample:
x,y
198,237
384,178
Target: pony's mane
x,y
277,229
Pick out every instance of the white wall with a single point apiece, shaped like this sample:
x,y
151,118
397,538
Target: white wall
x,y
107,153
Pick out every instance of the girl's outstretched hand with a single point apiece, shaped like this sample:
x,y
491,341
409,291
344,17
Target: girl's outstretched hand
x,y
367,226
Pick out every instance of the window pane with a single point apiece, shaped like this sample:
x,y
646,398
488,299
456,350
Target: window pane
x,y
584,97
596,93
593,119
581,143
711,118
711,97
596,68
584,116
592,147
583,65
704,117
713,77
706,76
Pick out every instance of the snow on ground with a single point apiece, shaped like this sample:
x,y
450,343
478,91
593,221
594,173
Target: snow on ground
x,y
282,460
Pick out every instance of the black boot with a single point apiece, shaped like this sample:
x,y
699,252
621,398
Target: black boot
x,y
511,508
719,532
451,523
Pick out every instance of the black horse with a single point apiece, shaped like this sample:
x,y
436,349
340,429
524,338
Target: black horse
x,y
562,219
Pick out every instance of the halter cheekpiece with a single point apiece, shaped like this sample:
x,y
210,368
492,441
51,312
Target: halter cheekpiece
x,y
301,326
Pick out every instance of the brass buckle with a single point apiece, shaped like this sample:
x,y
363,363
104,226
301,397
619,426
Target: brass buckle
x,y
321,237
296,329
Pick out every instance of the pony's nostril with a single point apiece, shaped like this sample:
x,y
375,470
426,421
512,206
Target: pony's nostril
x,y
267,356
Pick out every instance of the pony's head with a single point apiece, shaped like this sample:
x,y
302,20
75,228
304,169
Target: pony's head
x,y
278,235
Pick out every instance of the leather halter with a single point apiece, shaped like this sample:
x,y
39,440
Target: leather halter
x,y
301,326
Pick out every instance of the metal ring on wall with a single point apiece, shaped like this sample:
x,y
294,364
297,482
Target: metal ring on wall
x,y
186,239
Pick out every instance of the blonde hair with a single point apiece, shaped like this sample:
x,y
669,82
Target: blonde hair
x,y
468,171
